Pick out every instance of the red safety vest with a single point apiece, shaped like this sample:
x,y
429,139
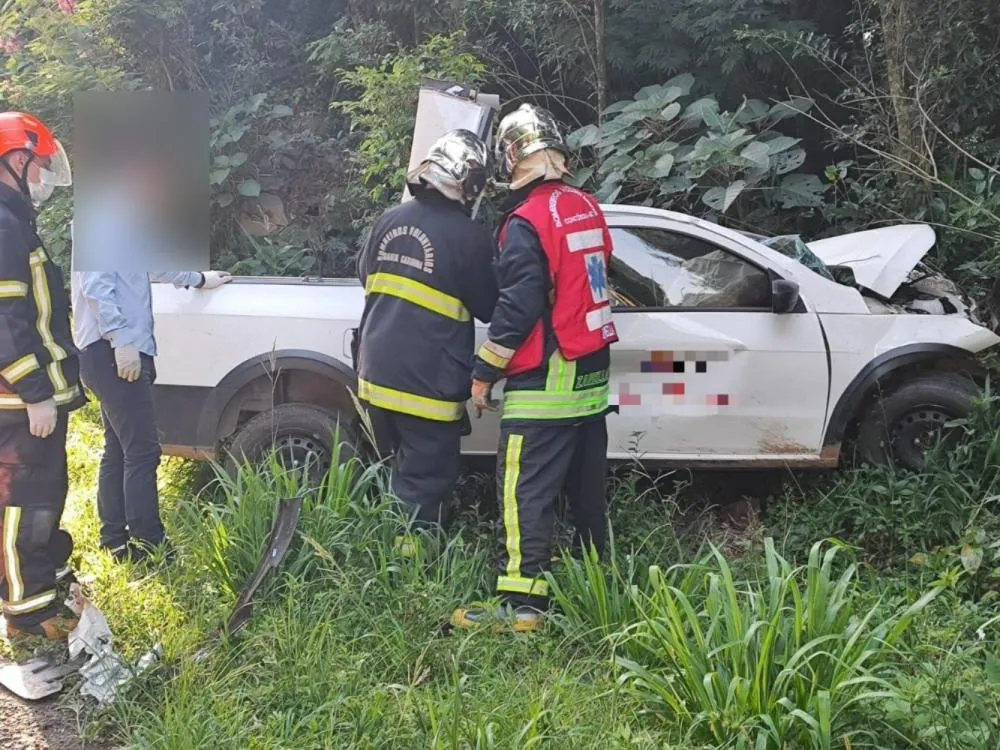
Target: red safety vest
x,y
577,244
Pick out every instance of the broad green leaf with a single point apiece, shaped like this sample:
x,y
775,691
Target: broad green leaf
x,y
675,184
221,160
977,174
646,107
684,81
250,188
617,107
670,111
722,198
659,149
754,177
781,143
648,92
608,192
758,154
224,199
620,162
697,110
580,176
802,191
218,176
790,108
238,159
757,108
789,161
281,110
588,135
662,167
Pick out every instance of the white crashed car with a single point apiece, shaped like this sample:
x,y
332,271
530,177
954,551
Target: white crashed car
x,y
735,351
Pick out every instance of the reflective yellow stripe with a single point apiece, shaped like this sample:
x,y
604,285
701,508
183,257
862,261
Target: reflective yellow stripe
x,y
11,562
13,289
490,358
63,397
555,404
24,366
561,373
409,403
419,294
43,301
519,585
31,604
511,522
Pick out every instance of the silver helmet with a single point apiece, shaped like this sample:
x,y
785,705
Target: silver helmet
x,y
457,166
525,131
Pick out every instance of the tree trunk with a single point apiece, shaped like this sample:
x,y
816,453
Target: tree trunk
x,y
601,72
898,18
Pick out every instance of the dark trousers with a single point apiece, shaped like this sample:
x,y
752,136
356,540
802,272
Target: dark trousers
x,y
425,461
35,551
534,465
127,499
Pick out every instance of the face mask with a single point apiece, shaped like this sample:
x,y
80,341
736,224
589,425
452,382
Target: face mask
x,y
41,191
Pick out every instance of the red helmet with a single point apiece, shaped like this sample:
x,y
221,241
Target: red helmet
x,y
23,132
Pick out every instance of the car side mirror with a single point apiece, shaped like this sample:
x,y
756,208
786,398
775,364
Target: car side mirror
x,y
784,296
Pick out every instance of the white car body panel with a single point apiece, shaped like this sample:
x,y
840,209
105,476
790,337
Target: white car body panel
x,y
879,258
772,369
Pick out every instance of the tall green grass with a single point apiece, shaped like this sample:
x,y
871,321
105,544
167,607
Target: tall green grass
x,y
664,643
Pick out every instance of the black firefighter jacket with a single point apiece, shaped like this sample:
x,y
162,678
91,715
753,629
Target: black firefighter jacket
x,y
428,272
38,359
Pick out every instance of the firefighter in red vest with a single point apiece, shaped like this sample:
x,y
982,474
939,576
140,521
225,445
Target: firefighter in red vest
x,y
549,337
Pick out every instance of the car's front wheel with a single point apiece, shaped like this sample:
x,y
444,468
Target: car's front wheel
x,y
302,437
903,425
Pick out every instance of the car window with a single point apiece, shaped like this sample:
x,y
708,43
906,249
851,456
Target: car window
x,y
655,268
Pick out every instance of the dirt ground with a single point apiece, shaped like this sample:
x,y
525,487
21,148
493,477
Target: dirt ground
x,y
38,726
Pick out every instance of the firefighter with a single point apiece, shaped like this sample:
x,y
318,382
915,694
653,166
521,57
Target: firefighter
x,y
427,272
39,386
549,337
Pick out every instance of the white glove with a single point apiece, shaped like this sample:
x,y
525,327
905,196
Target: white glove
x,y
215,279
42,417
129,363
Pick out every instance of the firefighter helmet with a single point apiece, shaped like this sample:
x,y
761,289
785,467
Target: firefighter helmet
x,y
457,166
24,133
526,131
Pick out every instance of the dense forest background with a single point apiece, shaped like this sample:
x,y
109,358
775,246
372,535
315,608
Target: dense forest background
x,y
769,115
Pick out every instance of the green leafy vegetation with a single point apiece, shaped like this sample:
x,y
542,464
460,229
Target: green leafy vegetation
x,y
680,638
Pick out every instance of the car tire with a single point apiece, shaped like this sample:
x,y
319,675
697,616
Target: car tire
x,y
897,429
302,434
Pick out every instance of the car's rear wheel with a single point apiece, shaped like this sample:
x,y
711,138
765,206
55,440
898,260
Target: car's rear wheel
x,y
905,424
300,436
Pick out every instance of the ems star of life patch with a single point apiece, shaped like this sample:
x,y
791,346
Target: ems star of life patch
x,y
597,273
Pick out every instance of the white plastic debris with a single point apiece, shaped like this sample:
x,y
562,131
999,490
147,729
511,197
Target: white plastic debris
x,y
105,671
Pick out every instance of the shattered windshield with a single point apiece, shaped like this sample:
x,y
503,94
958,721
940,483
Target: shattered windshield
x,y
792,246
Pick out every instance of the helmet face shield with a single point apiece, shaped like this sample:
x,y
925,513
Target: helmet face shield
x,y
56,170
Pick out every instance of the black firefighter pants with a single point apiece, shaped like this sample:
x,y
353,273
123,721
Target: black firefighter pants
x,y
425,460
127,498
35,551
534,465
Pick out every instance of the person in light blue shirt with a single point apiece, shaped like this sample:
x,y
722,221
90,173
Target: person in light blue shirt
x,y
113,328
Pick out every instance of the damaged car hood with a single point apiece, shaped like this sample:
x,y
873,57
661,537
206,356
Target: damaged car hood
x,y
881,259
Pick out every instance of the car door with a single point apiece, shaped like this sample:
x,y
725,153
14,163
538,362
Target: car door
x,y
705,371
